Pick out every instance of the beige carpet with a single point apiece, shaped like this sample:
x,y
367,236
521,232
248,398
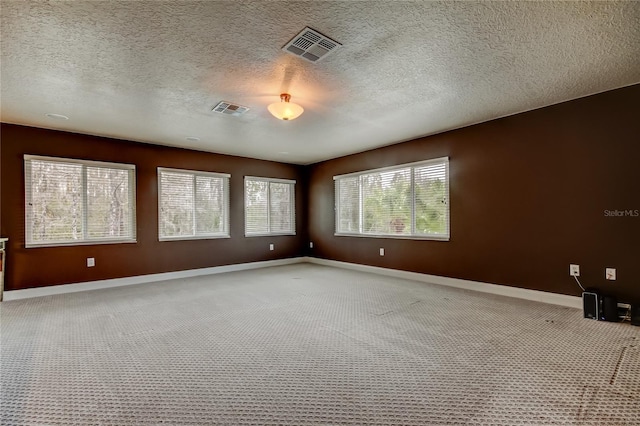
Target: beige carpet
x,y
306,344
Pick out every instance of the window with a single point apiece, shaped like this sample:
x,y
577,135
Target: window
x,y
78,202
269,206
407,201
192,204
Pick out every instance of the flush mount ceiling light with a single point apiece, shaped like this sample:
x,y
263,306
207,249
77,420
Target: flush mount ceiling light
x,y
285,110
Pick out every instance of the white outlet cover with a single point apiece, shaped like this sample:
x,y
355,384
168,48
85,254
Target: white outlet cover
x,y
310,244
574,270
270,246
610,274
91,262
381,252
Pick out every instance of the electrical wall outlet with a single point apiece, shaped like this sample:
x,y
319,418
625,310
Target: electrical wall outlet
x,y
311,244
574,270
91,262
610,274
271,247
381,252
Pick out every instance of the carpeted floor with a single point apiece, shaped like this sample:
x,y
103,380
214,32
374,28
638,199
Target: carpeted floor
x,y
306,344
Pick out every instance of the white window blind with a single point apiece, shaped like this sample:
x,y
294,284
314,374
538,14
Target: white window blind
x,y
269,206
405,201
431,199
78,202
192,204
348,198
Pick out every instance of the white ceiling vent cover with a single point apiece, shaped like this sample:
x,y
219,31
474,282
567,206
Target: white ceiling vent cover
x,y
224,107
311,45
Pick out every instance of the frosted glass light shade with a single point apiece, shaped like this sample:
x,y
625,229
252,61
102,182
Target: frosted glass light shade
x,y
285,110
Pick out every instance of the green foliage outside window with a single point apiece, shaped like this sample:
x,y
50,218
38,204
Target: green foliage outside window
x,y
404,201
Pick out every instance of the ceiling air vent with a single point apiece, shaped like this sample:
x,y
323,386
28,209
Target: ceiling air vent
x,y
311,45
224,107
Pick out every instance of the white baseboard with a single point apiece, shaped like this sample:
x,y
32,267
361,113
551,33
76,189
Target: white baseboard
x,y
520,293
141,279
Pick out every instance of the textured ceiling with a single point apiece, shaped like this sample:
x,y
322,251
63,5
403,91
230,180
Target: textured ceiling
x,y
151,71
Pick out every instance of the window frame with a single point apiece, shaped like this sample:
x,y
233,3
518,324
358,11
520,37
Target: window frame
x,y
413,236
292,202
130,168
226,203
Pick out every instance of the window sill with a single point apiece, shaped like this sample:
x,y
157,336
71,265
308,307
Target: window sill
x,y
193,237
270,234
398,237
79,243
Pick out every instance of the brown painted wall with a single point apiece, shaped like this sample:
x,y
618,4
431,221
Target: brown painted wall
x,y
527,196
36,267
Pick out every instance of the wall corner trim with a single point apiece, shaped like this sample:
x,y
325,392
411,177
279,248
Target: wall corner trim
x,y
142,279
502,290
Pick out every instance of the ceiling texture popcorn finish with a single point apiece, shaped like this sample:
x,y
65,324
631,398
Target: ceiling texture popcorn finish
x,y
153,71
